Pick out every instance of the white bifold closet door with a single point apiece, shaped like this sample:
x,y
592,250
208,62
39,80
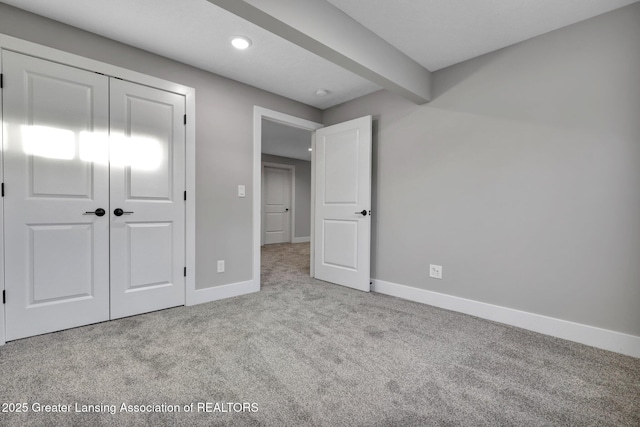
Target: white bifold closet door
x,y
147,184
55,169
69,259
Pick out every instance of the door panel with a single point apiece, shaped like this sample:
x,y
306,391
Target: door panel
x,y
342,168
56,257
148,149
52,151
340,244
277,205
147,182
47,262
343,190
150,258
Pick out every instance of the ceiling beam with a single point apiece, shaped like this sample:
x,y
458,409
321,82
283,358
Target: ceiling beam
x,y
321,28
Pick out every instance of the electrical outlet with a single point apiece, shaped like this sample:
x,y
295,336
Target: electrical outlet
x,y
221,266
435,271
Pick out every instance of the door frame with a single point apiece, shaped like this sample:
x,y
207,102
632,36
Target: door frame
x,y
73,60
2,131
292,199
260,113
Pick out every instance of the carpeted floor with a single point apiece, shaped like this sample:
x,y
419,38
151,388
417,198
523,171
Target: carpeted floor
x,y
304,352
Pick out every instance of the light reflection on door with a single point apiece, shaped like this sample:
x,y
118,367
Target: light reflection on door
x,y
138,152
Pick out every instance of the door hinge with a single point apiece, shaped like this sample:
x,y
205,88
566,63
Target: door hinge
x,y
2,189
185,195
1,81
185,272
4,297
185,119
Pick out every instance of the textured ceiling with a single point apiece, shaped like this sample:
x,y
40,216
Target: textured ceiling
x,y
435,33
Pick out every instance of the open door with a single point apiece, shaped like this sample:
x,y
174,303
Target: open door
x,y
342,223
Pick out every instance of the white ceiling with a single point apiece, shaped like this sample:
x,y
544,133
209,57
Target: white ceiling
x,y
435,33
197,33
439,33
285,141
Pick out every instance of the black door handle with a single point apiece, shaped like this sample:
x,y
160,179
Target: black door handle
x,y
120,212
98,212
286,210
363,212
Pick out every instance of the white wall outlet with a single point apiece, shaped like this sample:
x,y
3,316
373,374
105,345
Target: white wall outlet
x,y
220,266
435,271
241,191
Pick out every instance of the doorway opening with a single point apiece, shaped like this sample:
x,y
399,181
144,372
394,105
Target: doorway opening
x,y
340,208
283,179
286,183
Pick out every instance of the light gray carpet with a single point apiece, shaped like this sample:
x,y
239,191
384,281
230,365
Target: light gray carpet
x,y
312,353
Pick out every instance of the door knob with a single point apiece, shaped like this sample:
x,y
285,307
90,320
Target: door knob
x,y
286,210
98,212
363,212
120,212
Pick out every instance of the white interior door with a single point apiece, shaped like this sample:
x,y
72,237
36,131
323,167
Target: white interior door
x,y
147,185
277,205
342,235
56,174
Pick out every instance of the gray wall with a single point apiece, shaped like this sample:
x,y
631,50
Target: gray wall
x,y
521,177
303,192
224,138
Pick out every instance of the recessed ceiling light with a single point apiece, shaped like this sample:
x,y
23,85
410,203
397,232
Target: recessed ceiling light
x,y
241,42
322,92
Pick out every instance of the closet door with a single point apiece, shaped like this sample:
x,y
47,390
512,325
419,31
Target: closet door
x,y
56,180
147,199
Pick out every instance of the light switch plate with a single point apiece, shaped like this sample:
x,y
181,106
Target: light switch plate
x,y
241,191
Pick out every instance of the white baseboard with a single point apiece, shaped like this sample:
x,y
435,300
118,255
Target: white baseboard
x,y
301,239
214,293
577,332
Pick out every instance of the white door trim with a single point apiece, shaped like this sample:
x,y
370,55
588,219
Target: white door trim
x,y
292,198
2,325
260,113
55,55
